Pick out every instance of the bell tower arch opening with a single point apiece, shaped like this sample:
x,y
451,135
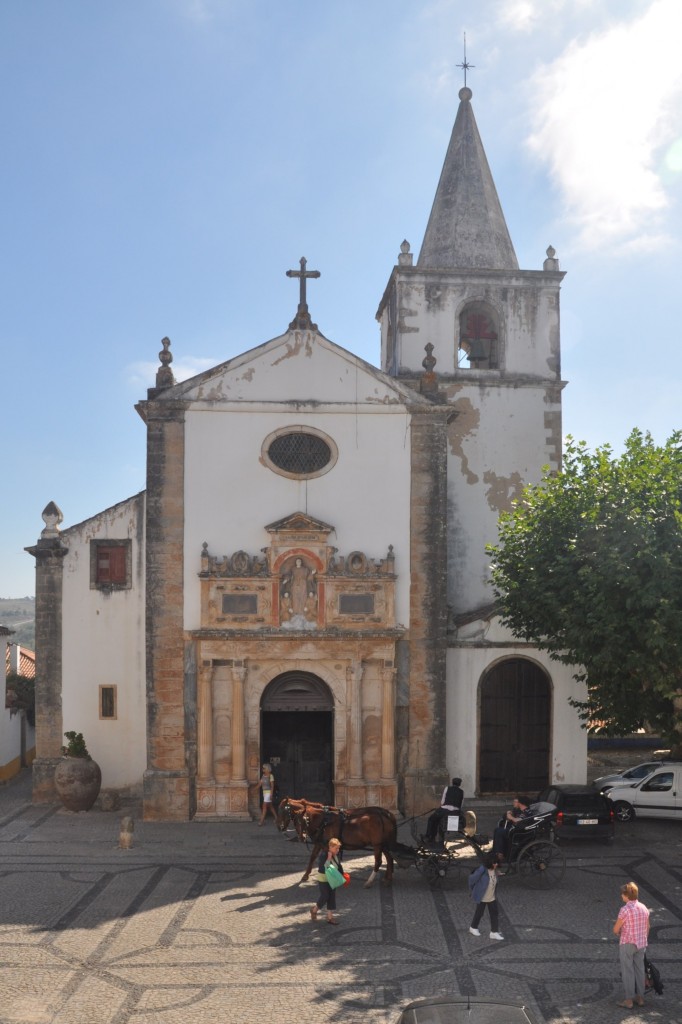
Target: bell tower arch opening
x,y
515,721
478,343
297,735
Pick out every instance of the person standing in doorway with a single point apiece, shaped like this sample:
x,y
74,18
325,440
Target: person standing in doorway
x,y
632,929
483,883
267,791
327,897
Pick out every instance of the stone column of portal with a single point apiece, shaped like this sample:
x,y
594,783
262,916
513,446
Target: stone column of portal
x,y
388,724
205,771
238,731
354,675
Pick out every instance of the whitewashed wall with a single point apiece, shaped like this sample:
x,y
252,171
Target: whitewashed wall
x,y
104,644
465,669
231,495
495,448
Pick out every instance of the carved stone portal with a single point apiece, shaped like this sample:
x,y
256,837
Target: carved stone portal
x,y
296,606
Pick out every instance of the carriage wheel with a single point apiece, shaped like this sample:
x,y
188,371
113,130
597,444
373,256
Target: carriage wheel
x,y
541,864
434,870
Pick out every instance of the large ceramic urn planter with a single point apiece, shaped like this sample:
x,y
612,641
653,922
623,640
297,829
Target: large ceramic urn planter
x,y
78,781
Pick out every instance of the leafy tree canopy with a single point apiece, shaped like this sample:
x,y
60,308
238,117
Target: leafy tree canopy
x,y
589,568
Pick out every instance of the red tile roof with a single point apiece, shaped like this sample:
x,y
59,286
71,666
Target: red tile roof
x,y
27,662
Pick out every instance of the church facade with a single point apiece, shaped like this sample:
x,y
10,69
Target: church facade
x,y
303,580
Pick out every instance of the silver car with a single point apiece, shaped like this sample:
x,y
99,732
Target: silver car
x,y
627,778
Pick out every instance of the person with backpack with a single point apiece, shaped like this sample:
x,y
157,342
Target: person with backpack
x,y
482,884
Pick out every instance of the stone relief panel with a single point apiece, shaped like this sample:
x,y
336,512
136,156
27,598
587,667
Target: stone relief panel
x,y
299,583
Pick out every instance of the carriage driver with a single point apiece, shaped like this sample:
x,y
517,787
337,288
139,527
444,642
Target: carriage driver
x,y
450,803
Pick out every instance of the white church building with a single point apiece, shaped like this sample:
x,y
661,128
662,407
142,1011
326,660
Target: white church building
x,y
303,580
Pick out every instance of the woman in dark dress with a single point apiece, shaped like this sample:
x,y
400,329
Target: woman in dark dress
x,y
327,897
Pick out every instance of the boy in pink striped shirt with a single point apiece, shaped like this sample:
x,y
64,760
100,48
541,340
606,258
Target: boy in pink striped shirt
x,y
632,927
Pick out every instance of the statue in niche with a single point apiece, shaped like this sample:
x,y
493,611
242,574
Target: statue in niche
x,y
298,597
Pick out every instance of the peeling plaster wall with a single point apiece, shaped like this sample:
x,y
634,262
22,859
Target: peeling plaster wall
x,y
103,644
498,443
465,669
230,494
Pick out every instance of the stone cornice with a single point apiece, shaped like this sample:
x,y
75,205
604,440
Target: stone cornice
x,y
508,278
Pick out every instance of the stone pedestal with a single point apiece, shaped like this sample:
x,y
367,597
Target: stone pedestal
x,y
166,795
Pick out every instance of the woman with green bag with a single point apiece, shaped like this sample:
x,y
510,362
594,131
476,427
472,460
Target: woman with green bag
x,y
329,872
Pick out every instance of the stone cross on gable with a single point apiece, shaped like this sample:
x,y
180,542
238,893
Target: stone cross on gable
x,y
302,321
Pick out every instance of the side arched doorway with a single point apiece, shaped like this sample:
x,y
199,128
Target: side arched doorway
x,y
297,735
515,723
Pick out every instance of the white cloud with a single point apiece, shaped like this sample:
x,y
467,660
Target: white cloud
x,y
602,123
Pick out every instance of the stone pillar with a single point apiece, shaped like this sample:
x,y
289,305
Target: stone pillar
x,y
388,724
425,772
167,794
49,554
205,770
238,729
354,675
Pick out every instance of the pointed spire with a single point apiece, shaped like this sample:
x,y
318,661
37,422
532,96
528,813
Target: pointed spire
x,y
467,228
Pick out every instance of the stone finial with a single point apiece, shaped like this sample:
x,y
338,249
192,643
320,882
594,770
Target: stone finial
x,y
52,517
429,360
550,263
405,258
429,382
164,375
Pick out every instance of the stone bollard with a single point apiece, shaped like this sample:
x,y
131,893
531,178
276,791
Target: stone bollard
x,y
470,823
125,839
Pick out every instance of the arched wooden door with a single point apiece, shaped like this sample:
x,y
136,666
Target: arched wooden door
x,y
297,735
515,719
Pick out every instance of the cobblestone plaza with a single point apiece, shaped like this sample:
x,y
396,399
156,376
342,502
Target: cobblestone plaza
x,y
205,922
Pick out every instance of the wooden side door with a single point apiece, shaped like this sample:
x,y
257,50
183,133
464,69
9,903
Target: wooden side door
x,y
515,717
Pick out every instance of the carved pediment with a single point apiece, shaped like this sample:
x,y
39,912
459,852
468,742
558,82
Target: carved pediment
x,y
300,522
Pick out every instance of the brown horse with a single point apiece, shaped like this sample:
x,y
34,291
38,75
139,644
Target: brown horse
x,y
357,829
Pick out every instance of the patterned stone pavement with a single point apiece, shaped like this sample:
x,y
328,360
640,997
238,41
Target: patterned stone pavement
x,y
206,923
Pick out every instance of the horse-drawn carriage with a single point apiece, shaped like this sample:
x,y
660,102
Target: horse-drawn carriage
x,y
533,853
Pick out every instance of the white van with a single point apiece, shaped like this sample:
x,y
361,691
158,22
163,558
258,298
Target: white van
x,y
659,795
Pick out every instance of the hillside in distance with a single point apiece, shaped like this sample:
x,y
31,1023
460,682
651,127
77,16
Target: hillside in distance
x,y
18,614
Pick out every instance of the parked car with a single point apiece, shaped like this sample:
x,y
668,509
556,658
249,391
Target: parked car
x,y
581,812
626,778
659,795
466,1010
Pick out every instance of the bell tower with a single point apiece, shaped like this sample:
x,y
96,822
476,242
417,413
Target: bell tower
x,y
490,332
478,337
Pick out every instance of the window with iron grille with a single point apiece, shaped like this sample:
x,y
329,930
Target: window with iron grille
x,y
299,452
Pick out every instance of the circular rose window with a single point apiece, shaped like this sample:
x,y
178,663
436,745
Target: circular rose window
x,y
299,452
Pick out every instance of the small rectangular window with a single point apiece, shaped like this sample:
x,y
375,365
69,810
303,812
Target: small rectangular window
x,y
110,564
240,604
107,702
356,604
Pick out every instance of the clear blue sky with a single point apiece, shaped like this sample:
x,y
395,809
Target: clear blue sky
x,y
165,161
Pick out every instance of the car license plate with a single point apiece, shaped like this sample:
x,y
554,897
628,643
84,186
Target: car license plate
x,y
588,821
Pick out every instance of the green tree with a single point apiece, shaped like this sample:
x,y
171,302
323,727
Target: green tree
x,y
588,567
